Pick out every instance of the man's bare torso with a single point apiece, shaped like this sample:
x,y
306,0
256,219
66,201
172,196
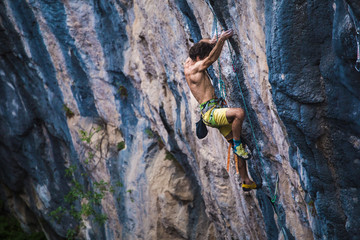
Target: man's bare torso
x,y
198,81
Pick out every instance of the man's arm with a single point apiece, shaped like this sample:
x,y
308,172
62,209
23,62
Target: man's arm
x,y
209,40
215,53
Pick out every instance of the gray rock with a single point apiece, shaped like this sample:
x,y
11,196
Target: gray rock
x,y
99,88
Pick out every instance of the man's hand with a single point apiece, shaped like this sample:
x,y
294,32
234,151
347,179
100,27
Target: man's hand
x,y
215,52
214,40
208,40
226,35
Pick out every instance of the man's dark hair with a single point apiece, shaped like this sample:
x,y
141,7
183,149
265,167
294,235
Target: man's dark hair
x,y
201,49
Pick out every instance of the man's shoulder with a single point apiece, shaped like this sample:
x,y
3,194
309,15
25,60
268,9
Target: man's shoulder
x,y
187,63
189,66
193,66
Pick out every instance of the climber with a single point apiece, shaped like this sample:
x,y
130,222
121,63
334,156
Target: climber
x,y
214,112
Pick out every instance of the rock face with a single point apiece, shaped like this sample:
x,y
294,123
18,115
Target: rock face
x,y
94,100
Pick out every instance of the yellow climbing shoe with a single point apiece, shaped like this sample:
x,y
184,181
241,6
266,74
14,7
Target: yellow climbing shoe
x,y
249,187
241,152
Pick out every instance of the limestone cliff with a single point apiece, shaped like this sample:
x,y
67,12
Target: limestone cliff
x,y
97,121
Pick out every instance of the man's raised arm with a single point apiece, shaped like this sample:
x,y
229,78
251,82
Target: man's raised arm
x,y
209,40
215,52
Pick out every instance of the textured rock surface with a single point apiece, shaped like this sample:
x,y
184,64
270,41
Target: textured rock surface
x,y
117,64
315,88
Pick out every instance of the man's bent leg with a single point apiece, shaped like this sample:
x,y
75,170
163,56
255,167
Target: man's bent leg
x,y
243,172
236,117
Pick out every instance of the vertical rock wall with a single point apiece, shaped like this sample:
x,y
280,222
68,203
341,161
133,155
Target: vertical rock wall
x,y
114,69
315,87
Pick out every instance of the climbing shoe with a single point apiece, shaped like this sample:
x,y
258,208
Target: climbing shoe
x,y
249,187
241,152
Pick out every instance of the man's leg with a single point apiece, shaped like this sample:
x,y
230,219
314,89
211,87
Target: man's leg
x,y
235,116
247,184
241,165
243,172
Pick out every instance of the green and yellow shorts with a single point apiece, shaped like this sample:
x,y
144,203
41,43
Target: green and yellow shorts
x,y
216,117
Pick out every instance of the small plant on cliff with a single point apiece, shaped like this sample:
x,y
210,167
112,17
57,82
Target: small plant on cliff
x,y
130,193
90,157
119,184
149,133
57,213
71,233
68,111
123,91
120,146
169,156
312,209
70,171
86,137
160,142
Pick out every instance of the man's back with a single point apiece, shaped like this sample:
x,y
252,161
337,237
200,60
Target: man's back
x,y
198,81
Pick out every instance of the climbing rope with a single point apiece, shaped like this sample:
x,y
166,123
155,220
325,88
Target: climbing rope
x,y
222,84
276,188
274,197
357,29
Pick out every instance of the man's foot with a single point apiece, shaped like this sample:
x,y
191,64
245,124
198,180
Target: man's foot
x,y
241,152
249,187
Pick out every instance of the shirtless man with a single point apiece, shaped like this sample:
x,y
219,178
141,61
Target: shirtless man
x,y
214,113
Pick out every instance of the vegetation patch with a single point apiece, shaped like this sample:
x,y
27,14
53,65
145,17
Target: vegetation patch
x,y
123,92
68,111
130,191
149,133
120,146
10,228
86,137
312,209
154,135
83,202
87,199
169,156
160,142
